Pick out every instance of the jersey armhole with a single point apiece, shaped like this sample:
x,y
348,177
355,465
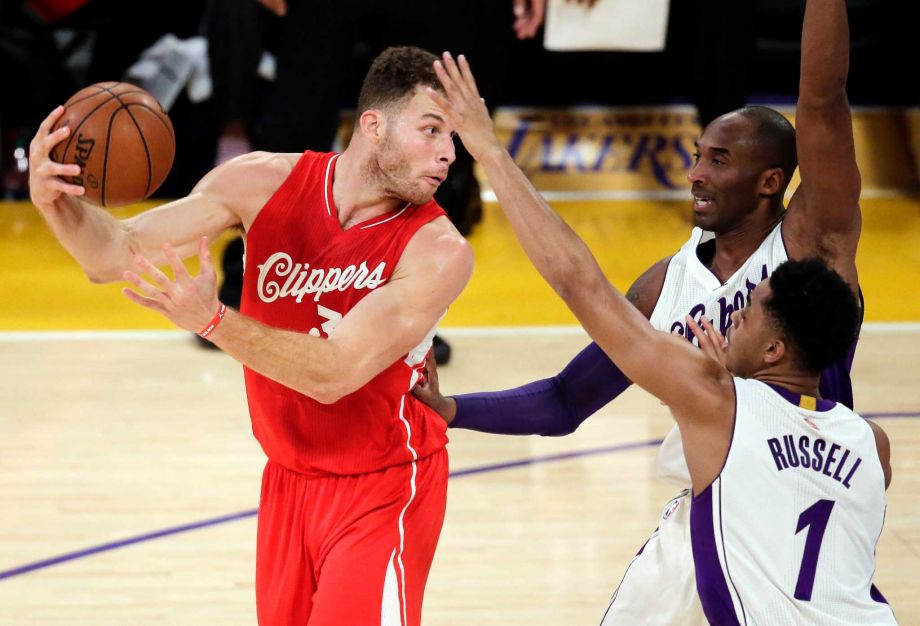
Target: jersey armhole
x,y
292,183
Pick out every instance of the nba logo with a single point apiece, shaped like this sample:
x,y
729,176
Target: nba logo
x,y
668,512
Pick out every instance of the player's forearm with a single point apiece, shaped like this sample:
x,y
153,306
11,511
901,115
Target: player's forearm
x,y
296,360
550,407
92,236
825,52
557,252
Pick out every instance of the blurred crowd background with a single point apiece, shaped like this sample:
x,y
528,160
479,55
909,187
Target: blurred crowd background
x,y
237,76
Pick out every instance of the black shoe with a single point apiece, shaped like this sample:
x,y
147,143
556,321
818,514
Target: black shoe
x,y
441,350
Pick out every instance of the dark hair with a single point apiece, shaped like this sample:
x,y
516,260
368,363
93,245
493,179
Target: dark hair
x,y
775,138
815,310
394,75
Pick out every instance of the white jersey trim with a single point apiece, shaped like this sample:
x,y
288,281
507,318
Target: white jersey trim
x,y
326,184
392,217
402,514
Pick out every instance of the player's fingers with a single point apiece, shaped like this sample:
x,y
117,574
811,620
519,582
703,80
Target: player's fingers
x,y
454,72
467,74
158,277
439,99
41,145
180,273
59,185
48,143
695,328
144,302
144,287
50,168
718,339
49,121
450,87
205,263
431,366
700,334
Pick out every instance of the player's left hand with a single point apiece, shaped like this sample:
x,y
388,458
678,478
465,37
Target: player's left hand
x,y
465,110
188,302
711,341
428,390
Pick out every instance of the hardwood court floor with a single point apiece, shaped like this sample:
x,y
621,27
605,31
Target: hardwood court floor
x,y
103,440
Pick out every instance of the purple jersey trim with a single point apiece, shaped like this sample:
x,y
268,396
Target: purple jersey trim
x,y
795,398
710,579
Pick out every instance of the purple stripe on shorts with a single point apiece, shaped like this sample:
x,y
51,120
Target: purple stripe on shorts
x,y
710,580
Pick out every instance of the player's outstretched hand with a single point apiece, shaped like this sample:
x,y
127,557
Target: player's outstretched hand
x,y
711,341
45,184
188,302
429,391
465,109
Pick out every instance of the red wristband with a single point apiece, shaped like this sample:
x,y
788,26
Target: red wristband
x,y
221,311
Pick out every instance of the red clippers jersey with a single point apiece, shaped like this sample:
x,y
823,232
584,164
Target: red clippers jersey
x,y
303,273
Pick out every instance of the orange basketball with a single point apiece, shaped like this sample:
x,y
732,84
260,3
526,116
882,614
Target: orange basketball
x,y
121,138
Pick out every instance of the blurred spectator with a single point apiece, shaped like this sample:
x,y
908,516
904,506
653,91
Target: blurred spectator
x,y
50,48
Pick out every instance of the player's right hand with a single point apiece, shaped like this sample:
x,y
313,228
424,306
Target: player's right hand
x,y
428,391
711,341
45,184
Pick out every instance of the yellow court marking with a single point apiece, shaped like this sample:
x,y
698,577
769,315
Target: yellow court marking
x,y
42,288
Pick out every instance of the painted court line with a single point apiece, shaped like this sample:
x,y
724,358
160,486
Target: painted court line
x,y
232,517
494,467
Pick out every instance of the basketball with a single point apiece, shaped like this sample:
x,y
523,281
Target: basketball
x,y
121,138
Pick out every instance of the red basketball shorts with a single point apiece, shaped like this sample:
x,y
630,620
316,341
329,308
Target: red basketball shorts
x,y
348,550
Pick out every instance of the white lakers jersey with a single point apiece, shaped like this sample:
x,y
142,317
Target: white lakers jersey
x,y
787,532
690,288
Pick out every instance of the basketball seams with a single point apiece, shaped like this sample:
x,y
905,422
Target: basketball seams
x,y
75,129
70,103
108,143
157,115
141,104
140,133
125,106
108,92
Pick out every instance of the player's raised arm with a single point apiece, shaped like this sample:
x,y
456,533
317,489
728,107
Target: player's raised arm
x,y
824,216
694,386
105,246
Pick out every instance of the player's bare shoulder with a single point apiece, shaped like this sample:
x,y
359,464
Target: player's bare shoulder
x,y
645,291
246,182
439,249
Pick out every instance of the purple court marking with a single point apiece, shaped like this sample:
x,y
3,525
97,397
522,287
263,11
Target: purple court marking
x,y
114,545
622,447
105,547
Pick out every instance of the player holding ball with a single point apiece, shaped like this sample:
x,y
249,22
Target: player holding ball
x,y
350,265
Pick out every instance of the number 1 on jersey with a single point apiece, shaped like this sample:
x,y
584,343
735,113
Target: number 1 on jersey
x,y
815,519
